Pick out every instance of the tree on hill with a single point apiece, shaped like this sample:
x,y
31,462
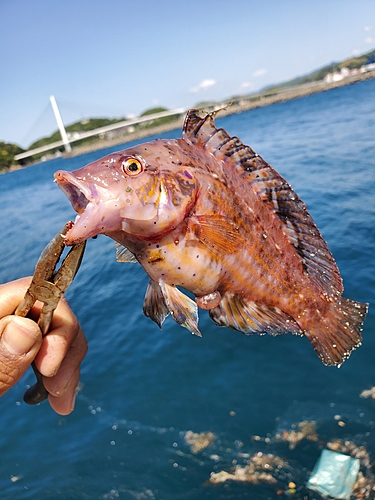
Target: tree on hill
x,y
7,153
157,121
81,126
153,111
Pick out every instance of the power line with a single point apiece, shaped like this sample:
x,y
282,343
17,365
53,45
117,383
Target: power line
x,y
89,110
41,118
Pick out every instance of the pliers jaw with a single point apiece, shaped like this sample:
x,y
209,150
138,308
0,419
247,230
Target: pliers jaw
x,y
48,286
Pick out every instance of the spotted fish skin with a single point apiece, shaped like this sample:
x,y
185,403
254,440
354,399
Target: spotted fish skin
x,y
208,214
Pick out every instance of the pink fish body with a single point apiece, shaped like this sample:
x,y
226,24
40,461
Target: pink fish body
x,y
207,214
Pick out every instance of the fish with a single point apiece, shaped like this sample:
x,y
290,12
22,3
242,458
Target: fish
x,y
205,214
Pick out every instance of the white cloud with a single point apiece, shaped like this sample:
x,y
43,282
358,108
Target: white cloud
x,y
369,40
245,85
259,72
368,28
205,84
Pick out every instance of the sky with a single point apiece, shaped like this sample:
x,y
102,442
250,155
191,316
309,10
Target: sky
x,y
117,58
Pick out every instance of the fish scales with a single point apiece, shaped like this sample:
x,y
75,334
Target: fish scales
x,y
207,214
269,186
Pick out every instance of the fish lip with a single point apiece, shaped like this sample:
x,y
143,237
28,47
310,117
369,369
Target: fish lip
x,y
77,192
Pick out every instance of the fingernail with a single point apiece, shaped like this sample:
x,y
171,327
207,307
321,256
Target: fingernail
x,y
60,384
73,401
17,338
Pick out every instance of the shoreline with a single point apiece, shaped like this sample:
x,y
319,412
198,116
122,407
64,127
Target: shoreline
x,y
242,104
236,106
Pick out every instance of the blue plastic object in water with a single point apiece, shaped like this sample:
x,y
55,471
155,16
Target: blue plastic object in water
x,y
334,475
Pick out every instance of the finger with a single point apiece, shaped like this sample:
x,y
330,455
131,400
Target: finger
x,y
62,386
19,343
63,331
63,405
64,340
59,383
11,295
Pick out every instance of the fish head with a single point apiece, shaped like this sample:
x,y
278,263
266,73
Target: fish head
x,y
140,191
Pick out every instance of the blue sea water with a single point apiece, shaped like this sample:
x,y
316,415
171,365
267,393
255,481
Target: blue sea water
x,y
144,388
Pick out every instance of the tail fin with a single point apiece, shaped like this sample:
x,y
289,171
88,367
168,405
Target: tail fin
x,y
340,331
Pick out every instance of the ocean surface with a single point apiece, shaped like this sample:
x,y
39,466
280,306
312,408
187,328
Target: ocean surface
x,y
143,389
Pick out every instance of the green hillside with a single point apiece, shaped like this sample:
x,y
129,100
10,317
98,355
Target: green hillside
x,y
92,124
81,126
8,150
319,74
7,153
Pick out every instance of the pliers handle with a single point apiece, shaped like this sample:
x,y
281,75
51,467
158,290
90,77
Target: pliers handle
x,y
48,286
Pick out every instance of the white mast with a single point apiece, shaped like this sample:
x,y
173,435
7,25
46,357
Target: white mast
x,y
60,124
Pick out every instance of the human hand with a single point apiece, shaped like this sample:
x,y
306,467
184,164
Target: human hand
x,y
57,356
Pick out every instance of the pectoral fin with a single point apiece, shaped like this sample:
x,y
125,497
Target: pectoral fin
x,y
217,233
123,254
183,310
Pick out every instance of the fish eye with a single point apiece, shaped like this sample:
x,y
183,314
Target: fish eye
x,y
132,166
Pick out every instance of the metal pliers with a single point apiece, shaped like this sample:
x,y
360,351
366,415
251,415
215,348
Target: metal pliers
x,y
47,286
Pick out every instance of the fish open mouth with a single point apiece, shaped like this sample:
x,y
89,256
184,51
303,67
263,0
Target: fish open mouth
x,y
79,195
98,213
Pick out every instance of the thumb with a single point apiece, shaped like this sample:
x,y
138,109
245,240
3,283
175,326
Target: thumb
x,y
20,340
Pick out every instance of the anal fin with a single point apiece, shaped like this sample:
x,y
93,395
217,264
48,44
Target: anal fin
x,y
183,310
248,317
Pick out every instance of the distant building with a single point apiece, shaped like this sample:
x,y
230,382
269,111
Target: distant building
x,y
370,64
346,72
337,75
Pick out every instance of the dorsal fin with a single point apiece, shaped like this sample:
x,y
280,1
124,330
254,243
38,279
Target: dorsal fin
x,y
198,129
279,199
256,181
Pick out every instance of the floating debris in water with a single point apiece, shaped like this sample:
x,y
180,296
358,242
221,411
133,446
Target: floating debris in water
x,y
300,431
368,393
334,475
350,448
260,468
364,487
14,479
199,441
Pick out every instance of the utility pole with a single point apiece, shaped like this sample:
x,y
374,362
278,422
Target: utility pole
x,y
60,124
